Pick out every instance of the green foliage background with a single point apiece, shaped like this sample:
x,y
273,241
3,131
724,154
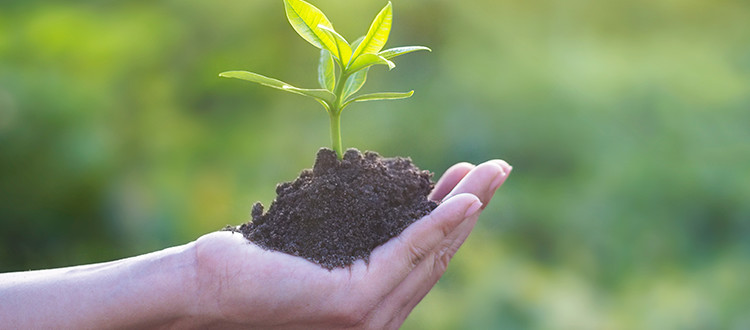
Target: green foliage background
x,y
627,123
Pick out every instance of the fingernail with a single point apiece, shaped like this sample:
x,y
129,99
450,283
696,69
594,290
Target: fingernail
x,y
473,209
506,167
499,179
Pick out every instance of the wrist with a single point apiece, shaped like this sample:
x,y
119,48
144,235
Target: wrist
x,y
197,303
174,283
190,303
160,287
219,294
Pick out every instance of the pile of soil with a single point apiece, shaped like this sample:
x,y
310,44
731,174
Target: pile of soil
x,y
341,210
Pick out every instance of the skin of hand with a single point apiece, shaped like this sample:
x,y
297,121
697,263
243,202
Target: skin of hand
x,y
223,281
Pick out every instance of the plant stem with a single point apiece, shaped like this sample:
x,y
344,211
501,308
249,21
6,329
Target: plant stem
x,y
335,114
336,134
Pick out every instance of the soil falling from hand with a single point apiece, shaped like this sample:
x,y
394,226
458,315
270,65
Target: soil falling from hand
x,y
341,210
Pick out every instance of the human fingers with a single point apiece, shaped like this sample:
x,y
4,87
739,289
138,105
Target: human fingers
x,y
424,252
483,180
393,261
424,277
449,179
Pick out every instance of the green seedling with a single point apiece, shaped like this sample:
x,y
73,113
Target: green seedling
x,y
343,66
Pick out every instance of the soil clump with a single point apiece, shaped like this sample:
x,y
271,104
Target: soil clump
x,y
340,210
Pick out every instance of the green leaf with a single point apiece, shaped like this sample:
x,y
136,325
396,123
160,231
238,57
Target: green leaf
x,y
377,35
320,94
393,52
356,43
305,19
355,82
367,60
379,96
324,104
343,50
326,72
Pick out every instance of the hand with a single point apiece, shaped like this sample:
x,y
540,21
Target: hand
x,y
238,283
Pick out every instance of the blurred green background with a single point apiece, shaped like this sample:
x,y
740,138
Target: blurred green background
x,y
627,122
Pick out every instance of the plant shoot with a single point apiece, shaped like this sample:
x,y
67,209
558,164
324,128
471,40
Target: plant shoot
x,y
343,66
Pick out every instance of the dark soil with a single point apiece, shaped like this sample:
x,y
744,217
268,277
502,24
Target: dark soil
x,y
341,210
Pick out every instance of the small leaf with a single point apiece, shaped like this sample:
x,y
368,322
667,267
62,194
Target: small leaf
x,y
326,72
393,52
343,50
356,43
320,94
377,35
367,60
324,104
379,96
305,19
355,82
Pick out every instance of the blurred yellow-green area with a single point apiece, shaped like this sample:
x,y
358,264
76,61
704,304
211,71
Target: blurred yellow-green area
x,y
627,123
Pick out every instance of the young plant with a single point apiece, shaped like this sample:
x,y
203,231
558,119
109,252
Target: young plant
x,y
343,66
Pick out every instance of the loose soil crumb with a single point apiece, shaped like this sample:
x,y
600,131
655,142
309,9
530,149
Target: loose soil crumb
x,y
341,210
